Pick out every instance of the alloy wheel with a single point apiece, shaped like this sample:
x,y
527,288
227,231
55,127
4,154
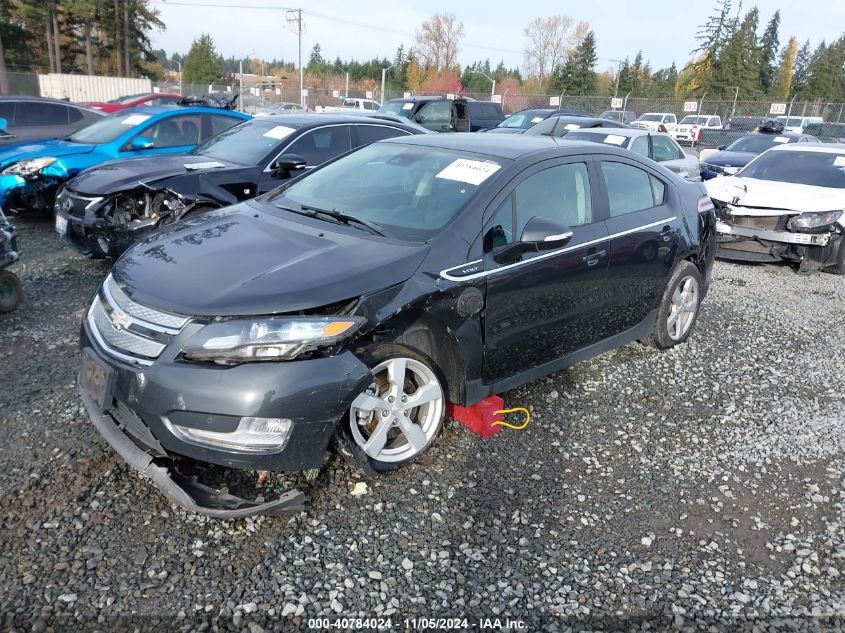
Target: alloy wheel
x,y
683,308
398,415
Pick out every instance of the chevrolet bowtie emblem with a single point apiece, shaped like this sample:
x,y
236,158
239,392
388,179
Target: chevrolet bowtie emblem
x,y
119,320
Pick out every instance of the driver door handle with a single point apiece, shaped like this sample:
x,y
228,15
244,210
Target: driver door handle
x,y
593,256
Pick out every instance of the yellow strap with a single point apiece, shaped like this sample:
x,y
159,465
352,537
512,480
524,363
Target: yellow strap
x,y
512,426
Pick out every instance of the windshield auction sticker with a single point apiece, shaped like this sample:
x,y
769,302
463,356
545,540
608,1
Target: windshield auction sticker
x,y
472,172
781,139
839,161
571,126
279,132
614,139
135,119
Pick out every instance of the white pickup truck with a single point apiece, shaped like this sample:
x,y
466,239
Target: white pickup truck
x,y
352,103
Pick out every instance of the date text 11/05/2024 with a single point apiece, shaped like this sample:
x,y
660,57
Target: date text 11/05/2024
x,y
423,623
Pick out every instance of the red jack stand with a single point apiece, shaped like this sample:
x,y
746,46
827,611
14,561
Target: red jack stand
x,y
479,417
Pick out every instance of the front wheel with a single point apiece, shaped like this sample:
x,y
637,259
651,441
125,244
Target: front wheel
x,y
10,291
397,417
679,307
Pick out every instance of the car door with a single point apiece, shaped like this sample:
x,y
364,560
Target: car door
x,y
644,236
435,116
316,146
546,304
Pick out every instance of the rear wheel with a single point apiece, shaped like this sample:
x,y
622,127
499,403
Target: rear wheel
x,y
10,291
397,417
679,308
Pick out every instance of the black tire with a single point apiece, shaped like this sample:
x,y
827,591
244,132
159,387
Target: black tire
x,y
10,291
839,267
373,357
661,337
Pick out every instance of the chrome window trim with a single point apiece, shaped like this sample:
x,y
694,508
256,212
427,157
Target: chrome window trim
x,y
560,251
267,169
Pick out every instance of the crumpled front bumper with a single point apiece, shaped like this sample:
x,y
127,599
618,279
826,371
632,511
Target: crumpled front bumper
x,y
813,251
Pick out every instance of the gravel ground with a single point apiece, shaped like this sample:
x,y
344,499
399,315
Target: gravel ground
x,y
693,487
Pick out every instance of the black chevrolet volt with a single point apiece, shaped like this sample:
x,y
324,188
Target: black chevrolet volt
x,y
356,301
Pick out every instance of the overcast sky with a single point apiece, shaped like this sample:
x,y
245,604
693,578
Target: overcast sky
x,y
663,29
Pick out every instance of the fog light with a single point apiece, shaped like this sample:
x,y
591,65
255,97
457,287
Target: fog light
x,y
252,435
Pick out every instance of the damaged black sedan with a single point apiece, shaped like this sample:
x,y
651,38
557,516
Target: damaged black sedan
x,y
357,301
109,207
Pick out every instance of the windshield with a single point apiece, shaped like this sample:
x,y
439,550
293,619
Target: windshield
x,y
247,143
410,191
108,128
402,108
129,99
557,126
651,117
522,120
599,137
819,169
756,143
694,120
793,121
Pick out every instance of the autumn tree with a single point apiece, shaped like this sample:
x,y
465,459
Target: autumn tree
x,y
782,84
549,42
438,42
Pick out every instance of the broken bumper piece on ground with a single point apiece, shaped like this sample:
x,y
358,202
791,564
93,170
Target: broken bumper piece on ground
x,y
186,491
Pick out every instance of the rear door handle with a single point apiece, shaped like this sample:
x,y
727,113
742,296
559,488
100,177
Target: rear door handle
x,y
667,233
593,257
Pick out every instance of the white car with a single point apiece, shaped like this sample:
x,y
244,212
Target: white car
x,y
352,103
689,129
652,121
788,204
797,124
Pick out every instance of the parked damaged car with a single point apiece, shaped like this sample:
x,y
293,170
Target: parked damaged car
x,y
788,204
31,173
356,301
107,208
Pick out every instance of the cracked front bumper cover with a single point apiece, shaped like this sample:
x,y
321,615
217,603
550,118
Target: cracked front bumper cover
x,y
186,491
727,231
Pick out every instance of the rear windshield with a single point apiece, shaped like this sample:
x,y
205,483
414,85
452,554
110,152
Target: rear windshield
x,y
608,138
129,99
757,143
402,108
522,120
695,120
651,117
793,121
246,143
109,128
819,169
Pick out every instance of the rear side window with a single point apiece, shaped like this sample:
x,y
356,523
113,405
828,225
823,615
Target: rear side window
x,y
74,115
371,133
321,145
35,113
484,110
7,111
658,189
629,188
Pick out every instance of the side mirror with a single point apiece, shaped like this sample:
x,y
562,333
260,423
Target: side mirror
x,y
285,164
545,234
140,143
721,148
3,125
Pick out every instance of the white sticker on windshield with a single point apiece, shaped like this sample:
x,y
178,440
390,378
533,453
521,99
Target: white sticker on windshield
x,y
135,119
279,132
407,106
572,126
839,161
472,172
614,139
781,139
536,119
207,165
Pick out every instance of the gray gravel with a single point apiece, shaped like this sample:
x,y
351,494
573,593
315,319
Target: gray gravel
x,y
698,486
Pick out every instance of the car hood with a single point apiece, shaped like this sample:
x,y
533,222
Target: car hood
x,y
731,159
42,149
244,261
120,175
783,197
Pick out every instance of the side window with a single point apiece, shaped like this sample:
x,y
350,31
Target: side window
x,y
221,123
74,115
321,145
369,105
371,133
7,111
658,190
560,193
640,145
664,149
175,131
671,119
350,103
500,227
629,188
34,113
436,114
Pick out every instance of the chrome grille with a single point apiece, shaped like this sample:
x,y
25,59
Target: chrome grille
x,y
75,204
151,317
128,330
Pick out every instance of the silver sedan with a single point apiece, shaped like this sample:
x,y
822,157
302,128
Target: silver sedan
x,y
657,146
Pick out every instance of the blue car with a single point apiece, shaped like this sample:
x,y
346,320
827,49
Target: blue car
x,y
729,160
31,173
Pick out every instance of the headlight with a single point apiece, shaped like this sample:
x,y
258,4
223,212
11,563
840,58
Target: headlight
x,y
809,221
240,341
29,167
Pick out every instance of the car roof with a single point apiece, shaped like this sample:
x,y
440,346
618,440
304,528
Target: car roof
x,y
508,146
48,100
629,132
164,109
320,118
824,148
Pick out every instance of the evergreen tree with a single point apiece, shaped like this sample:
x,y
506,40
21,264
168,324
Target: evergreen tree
x,y
202,64
577,74
738,63
768,52
711,38
803,59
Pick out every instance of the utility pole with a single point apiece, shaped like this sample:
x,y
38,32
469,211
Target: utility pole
x,y
383,74
618,72
294,22
241,88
